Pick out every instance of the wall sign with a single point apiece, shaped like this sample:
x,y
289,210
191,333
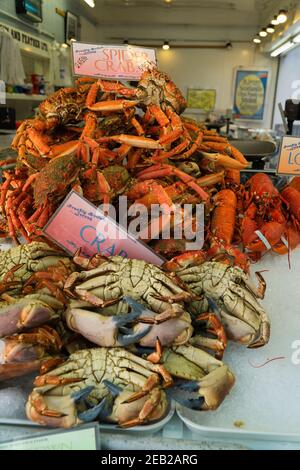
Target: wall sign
x,y
27,40
79,224
116,62
201,99
289,156
250,94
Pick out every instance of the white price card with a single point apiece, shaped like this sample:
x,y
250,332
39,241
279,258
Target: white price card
x,y
289,156
112,62
85,437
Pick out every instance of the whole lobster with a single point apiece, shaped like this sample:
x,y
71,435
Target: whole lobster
x,y
263,225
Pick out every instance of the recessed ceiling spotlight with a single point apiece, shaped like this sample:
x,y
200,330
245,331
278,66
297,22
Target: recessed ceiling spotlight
x,y
282,16
263,33
229,46
270,29
166,46
275,21
257,40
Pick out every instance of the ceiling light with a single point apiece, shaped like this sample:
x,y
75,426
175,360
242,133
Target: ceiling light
x,y
282,49
125,42
270,29
296,39
73,40
263,33
64,45
257,40
168,1
91,3
166,46
282,16
275,21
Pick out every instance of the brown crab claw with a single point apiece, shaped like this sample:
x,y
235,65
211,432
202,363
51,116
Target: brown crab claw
x,y
263,335
107,331
204,394
24,313
11,371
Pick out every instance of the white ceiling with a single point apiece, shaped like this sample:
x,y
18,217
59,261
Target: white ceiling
x,y
188,20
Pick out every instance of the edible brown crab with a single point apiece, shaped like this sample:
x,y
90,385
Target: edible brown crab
x,y
227,291
194,289
86,386
19,263
106,293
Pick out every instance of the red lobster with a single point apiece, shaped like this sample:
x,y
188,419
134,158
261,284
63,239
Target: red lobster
x,y
264,226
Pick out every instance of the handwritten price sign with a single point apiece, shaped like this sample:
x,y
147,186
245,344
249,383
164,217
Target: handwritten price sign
x,y
79,224
115,62
289,157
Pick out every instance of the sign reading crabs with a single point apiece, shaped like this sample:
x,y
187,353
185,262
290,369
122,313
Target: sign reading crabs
x,y
118,62
79,224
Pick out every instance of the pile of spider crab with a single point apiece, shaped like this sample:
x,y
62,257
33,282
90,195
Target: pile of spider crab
x,y
115,339
104,139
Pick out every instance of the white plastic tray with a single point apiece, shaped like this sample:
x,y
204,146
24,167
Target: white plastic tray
x,y
147,429
265,400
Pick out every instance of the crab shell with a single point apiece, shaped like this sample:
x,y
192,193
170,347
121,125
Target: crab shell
x,y
229,290
54,404
30,258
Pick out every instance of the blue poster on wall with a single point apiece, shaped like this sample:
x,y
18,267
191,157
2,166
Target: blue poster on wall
x,y
250,94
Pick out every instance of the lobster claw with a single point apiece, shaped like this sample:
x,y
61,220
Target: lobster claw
x,y
186,393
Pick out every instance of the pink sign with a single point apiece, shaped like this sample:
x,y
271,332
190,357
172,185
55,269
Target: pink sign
x,y
116,62
79,224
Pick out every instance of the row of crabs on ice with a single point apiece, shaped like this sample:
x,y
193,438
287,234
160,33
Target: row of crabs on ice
x,y
54,310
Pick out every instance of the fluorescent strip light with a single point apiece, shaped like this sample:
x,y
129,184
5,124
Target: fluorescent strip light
x,y
281,49
296,39
91,3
